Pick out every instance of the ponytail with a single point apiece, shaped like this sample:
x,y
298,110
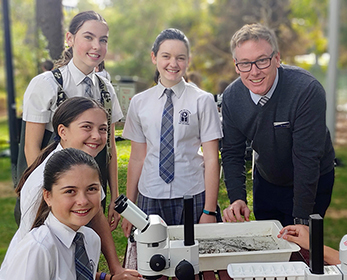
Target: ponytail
x,y
42,214
43,155
65,58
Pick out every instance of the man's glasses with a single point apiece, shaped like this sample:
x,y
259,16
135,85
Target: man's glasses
x,y
261,64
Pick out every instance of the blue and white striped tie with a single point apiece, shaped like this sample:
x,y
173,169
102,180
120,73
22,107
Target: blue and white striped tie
x,y
83,268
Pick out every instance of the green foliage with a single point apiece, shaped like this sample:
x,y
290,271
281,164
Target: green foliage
x,y
7,225
209,25
28,46
340,191
5,167
309,18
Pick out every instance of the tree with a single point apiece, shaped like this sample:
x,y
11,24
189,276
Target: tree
x,y
227,16
49,17
27,47
343,34
309,19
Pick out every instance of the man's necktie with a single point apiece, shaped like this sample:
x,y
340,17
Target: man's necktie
x,y
263,100
83,268
167,155
88,90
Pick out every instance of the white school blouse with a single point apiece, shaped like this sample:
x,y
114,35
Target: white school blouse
x,y
30,199
196,121
48,252
40,97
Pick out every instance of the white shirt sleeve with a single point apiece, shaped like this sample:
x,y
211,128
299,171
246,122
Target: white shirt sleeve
x,y
38,98
32,261
210,124
132,128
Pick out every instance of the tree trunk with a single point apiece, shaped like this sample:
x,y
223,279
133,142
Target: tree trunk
x,y
49,17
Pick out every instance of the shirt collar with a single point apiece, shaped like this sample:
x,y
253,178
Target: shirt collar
x,y
256,97
77,74
58,148
65,234
177,88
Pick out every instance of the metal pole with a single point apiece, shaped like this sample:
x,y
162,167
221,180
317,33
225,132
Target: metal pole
x,y
334,19
11,104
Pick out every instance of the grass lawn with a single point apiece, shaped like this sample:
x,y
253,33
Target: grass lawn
x,y
335,223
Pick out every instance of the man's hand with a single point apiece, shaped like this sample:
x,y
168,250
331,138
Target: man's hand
x,y
235,211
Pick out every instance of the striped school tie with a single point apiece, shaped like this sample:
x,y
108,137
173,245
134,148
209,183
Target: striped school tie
x,y
167,155
82,264
263,100
88,89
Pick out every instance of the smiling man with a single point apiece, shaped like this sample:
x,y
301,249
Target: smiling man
x,y
281,110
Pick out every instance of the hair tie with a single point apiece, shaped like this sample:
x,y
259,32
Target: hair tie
x,y
56,138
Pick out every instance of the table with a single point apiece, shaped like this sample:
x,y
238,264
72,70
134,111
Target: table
x,y
302,255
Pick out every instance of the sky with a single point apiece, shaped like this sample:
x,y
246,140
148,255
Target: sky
x,y
73,3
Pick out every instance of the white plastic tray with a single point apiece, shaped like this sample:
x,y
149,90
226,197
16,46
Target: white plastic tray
x,y
259,271
229,230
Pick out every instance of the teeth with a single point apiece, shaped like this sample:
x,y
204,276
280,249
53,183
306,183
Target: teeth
x,y
256,81
81,212
173,71
92,145
94,55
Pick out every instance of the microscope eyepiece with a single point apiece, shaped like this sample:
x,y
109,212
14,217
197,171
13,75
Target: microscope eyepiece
x,y
120,203
131,212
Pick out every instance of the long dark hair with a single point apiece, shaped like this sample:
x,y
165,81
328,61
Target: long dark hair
x,y
168,34
59,163
65,114
75,25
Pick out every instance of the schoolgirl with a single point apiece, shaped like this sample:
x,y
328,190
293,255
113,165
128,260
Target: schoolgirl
x,y
60,246
87,46
195,123
79,123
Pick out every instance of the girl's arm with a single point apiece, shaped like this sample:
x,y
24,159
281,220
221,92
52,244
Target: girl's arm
x,y
100,225
126,274
113,216
210,153
136,160
33,140
300,234
331,256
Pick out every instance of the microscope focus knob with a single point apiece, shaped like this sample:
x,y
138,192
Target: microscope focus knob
x,y
184,271
157,262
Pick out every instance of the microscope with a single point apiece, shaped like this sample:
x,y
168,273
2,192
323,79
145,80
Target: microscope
x,y
157,255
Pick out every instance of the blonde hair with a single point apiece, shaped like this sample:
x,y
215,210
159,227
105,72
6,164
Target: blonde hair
x,y
255,32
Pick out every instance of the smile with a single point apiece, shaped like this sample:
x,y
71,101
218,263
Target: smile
x,y
172,71
81,211
92,146
94,55
257,81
